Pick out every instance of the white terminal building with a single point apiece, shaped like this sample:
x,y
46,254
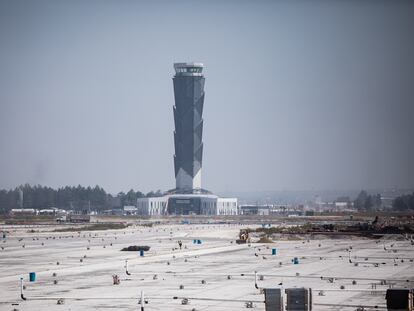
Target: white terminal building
x,y
187,204
188,197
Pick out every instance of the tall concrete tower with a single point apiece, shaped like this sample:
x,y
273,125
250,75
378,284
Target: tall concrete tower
x,y
189,99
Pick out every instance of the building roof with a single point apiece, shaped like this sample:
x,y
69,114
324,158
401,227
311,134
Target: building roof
x,y
130,208
189,64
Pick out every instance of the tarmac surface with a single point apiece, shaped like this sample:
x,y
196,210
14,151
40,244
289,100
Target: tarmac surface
x,y
218,274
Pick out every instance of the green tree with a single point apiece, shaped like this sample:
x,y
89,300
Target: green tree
x,y
404,202
359,202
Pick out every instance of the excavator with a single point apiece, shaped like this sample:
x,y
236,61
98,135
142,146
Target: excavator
x,y
243,237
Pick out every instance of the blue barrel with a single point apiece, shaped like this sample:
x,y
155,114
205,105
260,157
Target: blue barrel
x,y
32,276
296,261
273,251
198,241
141,253
194,241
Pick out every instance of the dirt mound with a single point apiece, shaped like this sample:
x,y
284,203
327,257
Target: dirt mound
x,y
135,248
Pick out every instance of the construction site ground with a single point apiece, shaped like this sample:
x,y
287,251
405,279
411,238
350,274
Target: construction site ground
x,y
77,268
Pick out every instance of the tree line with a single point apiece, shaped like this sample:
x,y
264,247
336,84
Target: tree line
x,y
366,202
75,198
404,203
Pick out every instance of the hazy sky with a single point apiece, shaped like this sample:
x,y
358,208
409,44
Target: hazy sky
x,y
299,94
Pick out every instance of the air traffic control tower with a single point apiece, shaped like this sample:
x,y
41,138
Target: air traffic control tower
x,y
188,197
188,110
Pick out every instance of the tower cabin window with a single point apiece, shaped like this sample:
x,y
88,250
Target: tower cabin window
x,y
189,69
